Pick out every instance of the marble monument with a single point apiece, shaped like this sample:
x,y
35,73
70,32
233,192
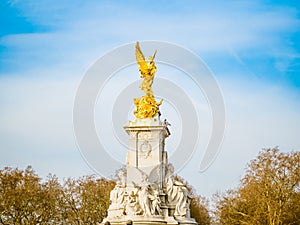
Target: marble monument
x,y
147,191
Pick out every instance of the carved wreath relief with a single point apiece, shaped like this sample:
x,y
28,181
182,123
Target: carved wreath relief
x,y
145,147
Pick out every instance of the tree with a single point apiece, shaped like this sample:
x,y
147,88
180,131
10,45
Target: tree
x,y
198,204
268,193
25,199
86,200
199,210
19,192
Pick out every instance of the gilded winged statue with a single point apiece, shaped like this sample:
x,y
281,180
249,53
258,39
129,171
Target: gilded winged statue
x,y
146,106
147,70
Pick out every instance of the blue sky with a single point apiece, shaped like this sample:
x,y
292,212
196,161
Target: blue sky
x,y
252,48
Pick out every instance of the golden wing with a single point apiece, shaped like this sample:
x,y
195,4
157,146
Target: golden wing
x,y
140,58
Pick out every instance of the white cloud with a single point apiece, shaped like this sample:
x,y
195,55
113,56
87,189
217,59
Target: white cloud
x,y
230,25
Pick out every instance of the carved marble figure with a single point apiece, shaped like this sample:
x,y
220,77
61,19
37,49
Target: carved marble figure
x,y
177,193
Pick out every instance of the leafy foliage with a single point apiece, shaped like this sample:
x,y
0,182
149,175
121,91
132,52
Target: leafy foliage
x,y
199,210
198,204
269,193
24,199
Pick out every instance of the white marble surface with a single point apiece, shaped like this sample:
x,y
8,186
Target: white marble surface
x,y
148,193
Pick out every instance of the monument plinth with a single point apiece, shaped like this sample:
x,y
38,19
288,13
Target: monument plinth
x,y
147,192
146,155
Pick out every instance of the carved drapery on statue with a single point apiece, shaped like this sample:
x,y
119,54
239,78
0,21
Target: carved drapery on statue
x,y
146,106
144,199
117,195
177,194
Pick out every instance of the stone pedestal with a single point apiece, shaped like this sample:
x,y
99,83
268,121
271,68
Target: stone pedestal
x,y
146,156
